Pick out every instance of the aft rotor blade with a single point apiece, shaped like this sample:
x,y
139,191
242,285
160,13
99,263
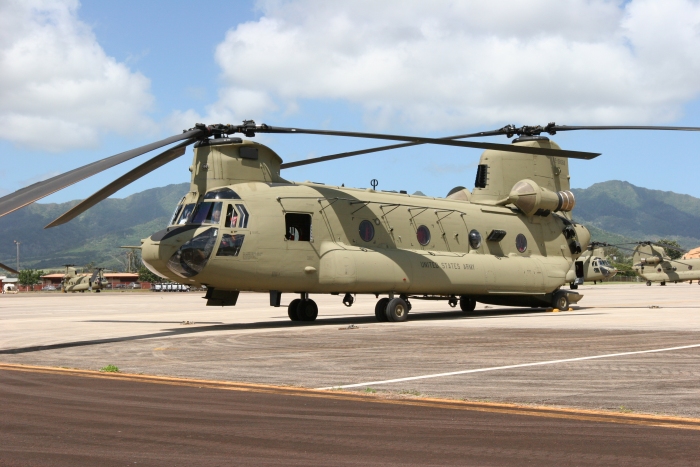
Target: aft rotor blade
x,y
8,268
32,193
129,177
417,139
623,127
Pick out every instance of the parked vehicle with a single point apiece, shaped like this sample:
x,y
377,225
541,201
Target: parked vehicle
x,y
134,285
49,287
170,287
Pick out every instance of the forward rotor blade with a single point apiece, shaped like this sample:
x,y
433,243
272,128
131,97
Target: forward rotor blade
x,y
129,177
417,139
8,268
342,155
32,193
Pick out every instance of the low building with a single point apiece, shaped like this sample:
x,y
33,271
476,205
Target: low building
x,y
114,279
692,254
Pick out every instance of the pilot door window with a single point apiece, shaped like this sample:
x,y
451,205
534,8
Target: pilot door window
x,y
298,227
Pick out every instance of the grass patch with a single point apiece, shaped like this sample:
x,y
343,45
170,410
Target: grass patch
x,y
370,390
110,369
410,392
624,409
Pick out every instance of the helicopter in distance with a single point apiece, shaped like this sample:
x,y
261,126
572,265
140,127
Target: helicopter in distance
x,y
652,263
74,282
594,264
242,227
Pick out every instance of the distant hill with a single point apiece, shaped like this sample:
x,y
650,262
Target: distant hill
x,y
613,211
94,236
622,209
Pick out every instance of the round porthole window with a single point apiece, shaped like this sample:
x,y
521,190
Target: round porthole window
x,y
423,235
366,231
474,239
521,243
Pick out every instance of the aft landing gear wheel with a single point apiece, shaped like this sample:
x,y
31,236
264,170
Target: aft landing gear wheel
x,y
467,304
307,310
573,286
663,282
380,310
292,309
561,302
648,283
397,310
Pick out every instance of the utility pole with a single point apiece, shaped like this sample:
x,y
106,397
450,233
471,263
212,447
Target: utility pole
x,y
17,243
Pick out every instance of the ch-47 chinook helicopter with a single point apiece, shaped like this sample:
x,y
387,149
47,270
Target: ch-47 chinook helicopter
x,y
593,265
73,282
242,227
651,262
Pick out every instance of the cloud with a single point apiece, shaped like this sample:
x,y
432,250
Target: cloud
x,y
449,64
58,88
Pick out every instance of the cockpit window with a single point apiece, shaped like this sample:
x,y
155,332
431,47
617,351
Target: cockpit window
x,y
207,213
184,214
175,215
221,193
231,216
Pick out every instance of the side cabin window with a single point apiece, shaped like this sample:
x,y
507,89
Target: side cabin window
x,y
298,227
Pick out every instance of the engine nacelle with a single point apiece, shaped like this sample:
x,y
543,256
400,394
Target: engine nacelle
x,y
650,260
533,199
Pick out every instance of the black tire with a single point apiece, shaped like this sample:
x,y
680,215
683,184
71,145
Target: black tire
x,y
573,286
307,310
663,282
467,303
561,302
292,309
648,283
397,310
380,310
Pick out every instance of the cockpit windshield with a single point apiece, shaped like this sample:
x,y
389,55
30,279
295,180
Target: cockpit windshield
x,y
207,212
184,214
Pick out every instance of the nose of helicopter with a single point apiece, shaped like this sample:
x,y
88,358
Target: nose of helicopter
x,y
182,251
608,272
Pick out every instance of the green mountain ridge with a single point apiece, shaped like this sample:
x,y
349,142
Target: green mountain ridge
x,y
614,211
93,237
618,207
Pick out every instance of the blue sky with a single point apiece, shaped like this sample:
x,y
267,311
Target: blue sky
x,y
140,71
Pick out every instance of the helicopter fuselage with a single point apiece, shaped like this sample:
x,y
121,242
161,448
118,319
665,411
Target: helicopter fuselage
x,y
273,235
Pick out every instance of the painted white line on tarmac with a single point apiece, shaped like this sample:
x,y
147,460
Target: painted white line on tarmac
x,y
507,367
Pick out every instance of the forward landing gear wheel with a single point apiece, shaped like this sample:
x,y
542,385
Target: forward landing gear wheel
x,y
380,310
292,309
663,283
561,302
648,283
307,310
397,310
467,304
573,286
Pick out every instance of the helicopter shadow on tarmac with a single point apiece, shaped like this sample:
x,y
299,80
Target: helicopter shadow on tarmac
x,y
425,316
